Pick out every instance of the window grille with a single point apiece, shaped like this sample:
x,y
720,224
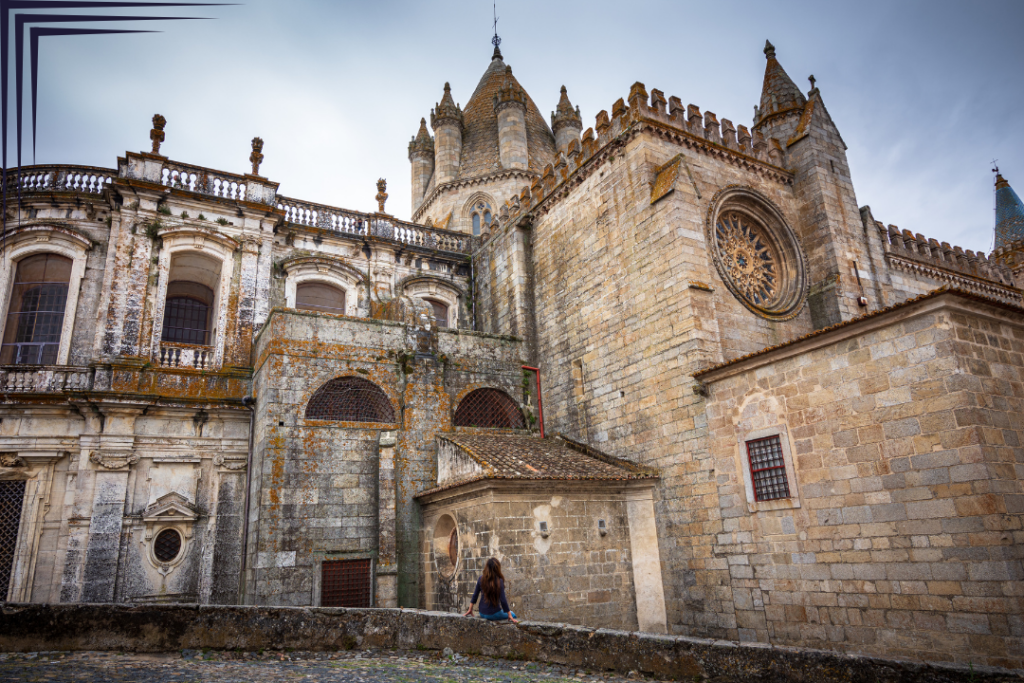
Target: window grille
x,y
350,399
489,408
767,469
345,583
36,318
12,493
186,321
316,296
440,313
167,545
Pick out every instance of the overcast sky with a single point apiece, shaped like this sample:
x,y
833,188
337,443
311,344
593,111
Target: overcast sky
x,y
925,94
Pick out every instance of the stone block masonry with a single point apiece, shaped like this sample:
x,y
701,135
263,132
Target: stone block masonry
x,y
170,628
903,530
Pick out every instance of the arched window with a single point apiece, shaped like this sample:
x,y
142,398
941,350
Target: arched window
x,y
481,216
440,312
36,314
187,313
319,296
489,408
350,399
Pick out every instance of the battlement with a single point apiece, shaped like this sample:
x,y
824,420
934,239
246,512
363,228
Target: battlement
x,y
903,244
703,132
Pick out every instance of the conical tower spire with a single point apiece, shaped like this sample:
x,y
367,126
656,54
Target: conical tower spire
x,y
1009,213
566,122
779,93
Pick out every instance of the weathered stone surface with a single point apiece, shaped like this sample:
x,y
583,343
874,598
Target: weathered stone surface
x,y
175,627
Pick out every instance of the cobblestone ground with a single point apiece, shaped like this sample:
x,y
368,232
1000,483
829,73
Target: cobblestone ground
x,y
272,667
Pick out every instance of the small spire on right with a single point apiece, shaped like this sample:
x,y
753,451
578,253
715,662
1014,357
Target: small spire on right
x,y
778,93
1009,213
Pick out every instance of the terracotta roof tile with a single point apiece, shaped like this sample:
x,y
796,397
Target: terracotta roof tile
x,y
529,457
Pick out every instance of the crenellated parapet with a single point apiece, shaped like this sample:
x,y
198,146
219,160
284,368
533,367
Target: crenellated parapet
x,y
703,133
938,260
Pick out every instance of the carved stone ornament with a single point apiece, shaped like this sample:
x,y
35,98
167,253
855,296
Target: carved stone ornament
x,y
756,253
157,133
382,195
234,464
256,158
11,460
113,460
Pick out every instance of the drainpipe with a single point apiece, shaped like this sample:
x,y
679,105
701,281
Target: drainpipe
x,y
540,404
249,402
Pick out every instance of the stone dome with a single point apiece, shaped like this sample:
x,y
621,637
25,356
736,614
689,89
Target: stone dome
x,y
480,128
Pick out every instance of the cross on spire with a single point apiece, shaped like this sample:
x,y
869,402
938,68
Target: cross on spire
x,y
496,40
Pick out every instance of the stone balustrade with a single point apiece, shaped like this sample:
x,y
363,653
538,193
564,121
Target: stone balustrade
x,y
44,379
344,221
203,180
185,356
59,178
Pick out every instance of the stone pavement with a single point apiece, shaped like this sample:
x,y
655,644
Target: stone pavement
x,y
192,666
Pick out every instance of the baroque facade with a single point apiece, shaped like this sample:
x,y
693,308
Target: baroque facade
x,y
667,369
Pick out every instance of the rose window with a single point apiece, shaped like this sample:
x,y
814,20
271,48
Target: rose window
x,y
748,259
756,253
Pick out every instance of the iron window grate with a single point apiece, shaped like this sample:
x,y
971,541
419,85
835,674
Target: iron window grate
x,y
345,583
167,545
12,493
350,399
768,468
186,321
489,408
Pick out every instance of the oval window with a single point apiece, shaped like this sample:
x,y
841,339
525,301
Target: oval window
x,y
167,545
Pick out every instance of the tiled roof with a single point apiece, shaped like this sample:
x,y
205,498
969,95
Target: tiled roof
x,y
504,456
1009,214
873,314
480,129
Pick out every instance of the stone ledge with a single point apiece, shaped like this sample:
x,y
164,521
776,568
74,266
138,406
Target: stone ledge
x,y
166,628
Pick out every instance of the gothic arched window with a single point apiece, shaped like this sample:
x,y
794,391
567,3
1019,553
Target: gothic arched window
x,y
489,408
350,399
35,315
481,217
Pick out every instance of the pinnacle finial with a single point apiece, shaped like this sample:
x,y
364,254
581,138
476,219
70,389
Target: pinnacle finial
x,y
256,158
769,50
382,195
813,80
156,134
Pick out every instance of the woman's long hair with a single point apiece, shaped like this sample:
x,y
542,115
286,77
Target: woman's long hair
x,y
490,582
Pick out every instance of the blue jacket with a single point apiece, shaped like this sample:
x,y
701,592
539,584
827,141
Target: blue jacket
x,y
486,607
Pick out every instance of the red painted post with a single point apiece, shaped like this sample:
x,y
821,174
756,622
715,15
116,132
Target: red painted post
x,y
540,404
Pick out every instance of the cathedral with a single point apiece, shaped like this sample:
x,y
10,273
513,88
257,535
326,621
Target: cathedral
x,y
666,368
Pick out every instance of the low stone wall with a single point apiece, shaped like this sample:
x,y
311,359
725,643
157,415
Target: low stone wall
x,y
163,628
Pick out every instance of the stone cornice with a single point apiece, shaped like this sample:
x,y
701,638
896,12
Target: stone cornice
x,y
945,298
978,284
503,174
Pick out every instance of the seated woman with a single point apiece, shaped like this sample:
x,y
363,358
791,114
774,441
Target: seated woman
x,y
490,588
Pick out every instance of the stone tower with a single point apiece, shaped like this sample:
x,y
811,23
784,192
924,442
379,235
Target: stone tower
x,y
446,120
566,123
800,135
421,156
510,110
483,153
